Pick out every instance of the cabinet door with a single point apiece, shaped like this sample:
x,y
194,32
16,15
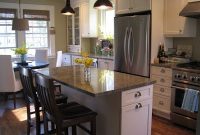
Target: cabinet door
x,y
106,64
175,25
88,20
122,6
140,5
136,118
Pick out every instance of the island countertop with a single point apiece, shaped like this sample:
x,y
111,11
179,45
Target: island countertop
x,y
98,82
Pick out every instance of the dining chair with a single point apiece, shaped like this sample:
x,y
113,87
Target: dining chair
x,y
8,83
62,116
59,59
32,98
41,55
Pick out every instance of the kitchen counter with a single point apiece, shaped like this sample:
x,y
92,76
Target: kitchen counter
x,y
99,82
123,102
93,56
166,65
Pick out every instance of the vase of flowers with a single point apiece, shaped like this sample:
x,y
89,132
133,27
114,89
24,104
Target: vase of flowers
x,y
22,51
87,62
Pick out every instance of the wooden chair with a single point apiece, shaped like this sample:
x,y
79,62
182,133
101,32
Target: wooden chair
x,y
9,84
66,116
32,98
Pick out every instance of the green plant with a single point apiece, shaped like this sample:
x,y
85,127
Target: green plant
x,y
22,50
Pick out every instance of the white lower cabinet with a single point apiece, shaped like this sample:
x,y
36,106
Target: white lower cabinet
x,y
106,64
136,116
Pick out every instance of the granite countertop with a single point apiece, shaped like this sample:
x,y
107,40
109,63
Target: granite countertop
x,y
93,56
166,65
99,82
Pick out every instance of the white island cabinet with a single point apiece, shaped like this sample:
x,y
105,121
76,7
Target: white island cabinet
x,y
136,111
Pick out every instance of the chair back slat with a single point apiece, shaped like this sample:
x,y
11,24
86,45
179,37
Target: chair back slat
x,y
45,90
27,83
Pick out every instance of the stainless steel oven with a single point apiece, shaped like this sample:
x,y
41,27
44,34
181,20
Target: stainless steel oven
x,y
183,80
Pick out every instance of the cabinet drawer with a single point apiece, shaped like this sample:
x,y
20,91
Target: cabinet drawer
x,y
162,90
136,95
161,71
162,80
161,103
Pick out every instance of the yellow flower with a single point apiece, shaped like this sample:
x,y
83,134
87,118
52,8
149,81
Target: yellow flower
x,y
22,50
84,60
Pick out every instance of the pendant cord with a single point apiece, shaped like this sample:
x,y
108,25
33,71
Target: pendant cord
x,y
19,9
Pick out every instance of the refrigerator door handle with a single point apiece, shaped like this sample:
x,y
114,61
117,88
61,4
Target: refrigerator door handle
x,y
130,55
125,45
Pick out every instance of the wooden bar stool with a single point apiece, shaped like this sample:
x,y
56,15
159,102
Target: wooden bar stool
x,y
62,116
31,97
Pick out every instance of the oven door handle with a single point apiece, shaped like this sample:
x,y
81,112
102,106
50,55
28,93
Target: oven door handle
x,y
181,88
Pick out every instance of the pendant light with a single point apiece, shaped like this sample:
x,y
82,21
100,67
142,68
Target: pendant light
x,y
103,4
67,10
20,24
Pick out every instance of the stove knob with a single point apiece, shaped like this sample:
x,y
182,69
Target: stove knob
x,y
192,78
197,79
184,76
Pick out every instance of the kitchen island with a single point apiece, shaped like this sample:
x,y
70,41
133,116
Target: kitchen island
x,y
123,102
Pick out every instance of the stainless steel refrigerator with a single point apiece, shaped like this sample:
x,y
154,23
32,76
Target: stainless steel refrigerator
x,y
132,44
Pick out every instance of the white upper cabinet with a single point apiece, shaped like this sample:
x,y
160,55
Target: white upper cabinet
x,y
175,25
129,6
88,18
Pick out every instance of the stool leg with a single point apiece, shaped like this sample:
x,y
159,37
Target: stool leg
x,y
74,130
45,124
66,131
93,127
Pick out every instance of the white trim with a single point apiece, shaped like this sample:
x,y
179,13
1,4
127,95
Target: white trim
x,y
51,10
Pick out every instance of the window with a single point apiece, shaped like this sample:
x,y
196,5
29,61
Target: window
x,y
37,37
7,35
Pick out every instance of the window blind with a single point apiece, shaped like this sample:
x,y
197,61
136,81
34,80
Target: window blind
x,y
36,14
7,14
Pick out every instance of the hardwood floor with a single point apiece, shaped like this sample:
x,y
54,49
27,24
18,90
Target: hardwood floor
x,y
13,122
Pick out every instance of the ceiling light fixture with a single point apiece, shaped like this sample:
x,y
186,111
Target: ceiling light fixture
x,y
20,24
67,10
103,4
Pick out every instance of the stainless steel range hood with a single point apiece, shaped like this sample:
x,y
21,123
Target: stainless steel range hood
x,y
192,9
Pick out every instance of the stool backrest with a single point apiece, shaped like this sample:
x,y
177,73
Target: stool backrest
x,y
41,55
7,76
45,89
59,59
27,83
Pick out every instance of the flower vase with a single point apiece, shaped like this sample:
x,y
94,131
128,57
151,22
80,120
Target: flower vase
x,y
87,73
23,58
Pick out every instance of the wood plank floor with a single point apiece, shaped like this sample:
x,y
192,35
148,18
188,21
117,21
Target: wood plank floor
x,y
13,122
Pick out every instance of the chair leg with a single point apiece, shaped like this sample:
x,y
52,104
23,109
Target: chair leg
x,y
66,131
14,100
45,124
74,130
93,127
28,119
37,115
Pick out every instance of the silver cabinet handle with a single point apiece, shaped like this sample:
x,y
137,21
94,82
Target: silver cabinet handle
x,y
138,105
162,80
162,71
138,94
161,103
162,90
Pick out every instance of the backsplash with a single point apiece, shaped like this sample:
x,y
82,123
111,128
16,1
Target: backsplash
x,y
194,42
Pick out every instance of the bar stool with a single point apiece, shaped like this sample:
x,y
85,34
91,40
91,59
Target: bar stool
x,y
65,116
31,97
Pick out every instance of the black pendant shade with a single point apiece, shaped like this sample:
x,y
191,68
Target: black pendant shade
x,y
103,4
68,10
